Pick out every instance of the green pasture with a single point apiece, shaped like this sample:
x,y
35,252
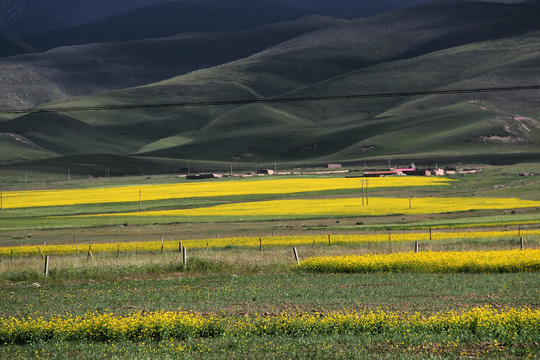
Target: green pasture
x,y
235,282
490,182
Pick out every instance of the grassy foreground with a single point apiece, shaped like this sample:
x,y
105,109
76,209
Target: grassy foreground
x,y
244,290
238,286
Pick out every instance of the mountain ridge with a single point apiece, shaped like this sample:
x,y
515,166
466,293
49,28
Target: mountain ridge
x,y
134,63
169,19
439,46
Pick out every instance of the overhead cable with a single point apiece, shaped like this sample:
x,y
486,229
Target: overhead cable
x,y
63,109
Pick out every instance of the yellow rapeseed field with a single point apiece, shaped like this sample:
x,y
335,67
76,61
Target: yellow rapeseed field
x,y
504,324
345,207
251,242
24,199
429,262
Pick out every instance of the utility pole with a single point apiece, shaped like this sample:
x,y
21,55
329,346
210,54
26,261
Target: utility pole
x,y
362,192
367,193
69,175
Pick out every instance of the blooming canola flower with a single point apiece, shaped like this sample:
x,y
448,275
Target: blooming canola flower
x,y
120,194
429,262
376,206
505,324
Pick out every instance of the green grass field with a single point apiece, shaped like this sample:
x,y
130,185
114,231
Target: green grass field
x,y
239,283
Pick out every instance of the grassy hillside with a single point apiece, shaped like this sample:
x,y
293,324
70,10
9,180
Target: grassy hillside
x,y
65,135
15,148
448,46
70,71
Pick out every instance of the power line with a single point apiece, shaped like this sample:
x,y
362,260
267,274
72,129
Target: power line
x,y
269,101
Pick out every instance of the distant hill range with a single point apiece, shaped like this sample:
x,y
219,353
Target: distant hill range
x,y
37,16
265,50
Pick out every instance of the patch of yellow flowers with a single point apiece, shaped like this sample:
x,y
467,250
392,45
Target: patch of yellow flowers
x,y
482,321
252,242
103,195
345,207
429,262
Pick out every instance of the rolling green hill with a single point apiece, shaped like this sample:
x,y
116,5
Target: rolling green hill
x,y
15,148
30,80
65,135
450,45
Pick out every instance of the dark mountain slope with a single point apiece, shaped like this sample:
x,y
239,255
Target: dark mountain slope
x,y
35,16
170,19
10,46
352,9
34,79
325,54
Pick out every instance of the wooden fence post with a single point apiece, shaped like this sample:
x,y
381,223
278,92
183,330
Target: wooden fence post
x,y
47,266
162,244
118,251
184,257
328,239
260,244
416,246
521,243
296,256
11,255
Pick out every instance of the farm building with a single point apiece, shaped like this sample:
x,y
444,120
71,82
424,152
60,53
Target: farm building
x,y
380,173
204,176
405,172
265,172
434,172
411,171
